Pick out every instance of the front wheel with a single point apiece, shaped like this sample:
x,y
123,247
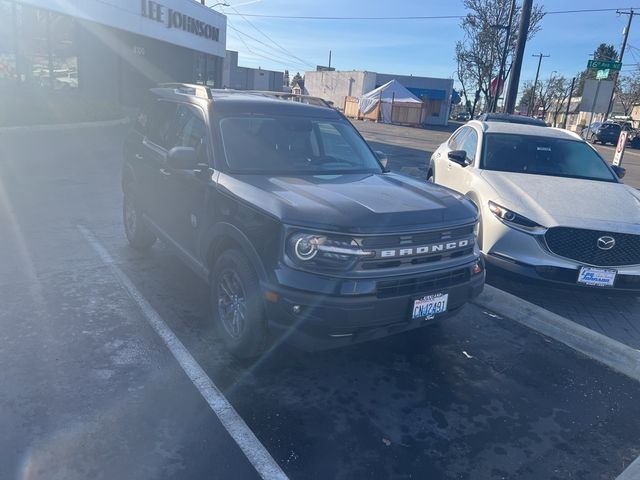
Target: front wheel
x,y
138,233
236,305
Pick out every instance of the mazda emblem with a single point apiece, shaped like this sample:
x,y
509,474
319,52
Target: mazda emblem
x,y
606,243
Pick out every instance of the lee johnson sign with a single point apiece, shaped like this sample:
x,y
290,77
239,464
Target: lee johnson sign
x,y
174,19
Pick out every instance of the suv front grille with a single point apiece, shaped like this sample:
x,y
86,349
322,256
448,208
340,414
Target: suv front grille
x,y
394,251
410,286
582,245
393,241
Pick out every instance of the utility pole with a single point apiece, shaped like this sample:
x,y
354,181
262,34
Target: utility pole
x,y
329,60
512,92
503,60
631,13
566,113
531,108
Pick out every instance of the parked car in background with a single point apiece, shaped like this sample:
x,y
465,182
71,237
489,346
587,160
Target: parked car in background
x,y
463,117
588,130
607,132
551,208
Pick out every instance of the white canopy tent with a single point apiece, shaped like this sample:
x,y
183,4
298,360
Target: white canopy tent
x,y
385,95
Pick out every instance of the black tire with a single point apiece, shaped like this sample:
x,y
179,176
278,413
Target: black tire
x,y
236,305
138,233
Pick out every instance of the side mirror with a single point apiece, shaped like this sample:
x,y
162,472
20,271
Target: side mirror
x,y
382,157
619,171
182,158
458,156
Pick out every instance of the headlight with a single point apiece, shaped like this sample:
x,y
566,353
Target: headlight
x,y
515,220
324,251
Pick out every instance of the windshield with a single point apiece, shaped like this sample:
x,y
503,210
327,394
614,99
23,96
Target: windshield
x,y
294,145
543,156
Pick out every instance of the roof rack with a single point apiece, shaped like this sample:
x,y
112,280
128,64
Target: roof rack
x,y
320,102
200,91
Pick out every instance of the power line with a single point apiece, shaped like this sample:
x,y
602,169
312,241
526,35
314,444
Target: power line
x,y
287,52
412,17
260,42
280,61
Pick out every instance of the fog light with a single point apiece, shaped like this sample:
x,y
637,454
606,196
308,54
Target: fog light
x,y
476,269
296,309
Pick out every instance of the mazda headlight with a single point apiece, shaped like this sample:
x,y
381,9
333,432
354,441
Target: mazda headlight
x,y
322,251
515,220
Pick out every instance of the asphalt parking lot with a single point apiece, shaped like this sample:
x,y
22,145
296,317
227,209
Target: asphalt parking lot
x,y
90,390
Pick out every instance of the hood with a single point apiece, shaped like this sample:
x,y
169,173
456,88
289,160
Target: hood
x,y
552,201
357,203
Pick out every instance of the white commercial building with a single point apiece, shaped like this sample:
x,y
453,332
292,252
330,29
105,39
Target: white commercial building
x,y
114,49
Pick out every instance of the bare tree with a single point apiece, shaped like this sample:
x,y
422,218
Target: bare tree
x,y
479,54
560,88
628,91
551,96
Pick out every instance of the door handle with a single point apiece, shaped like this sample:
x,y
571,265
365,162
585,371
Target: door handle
x,y
139,156
165,172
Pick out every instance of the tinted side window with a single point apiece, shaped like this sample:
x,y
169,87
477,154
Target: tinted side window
x,y
470,145
190,129
161,116
455,142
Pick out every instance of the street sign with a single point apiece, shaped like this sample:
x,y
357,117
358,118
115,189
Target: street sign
x,y
602,74
622,144
604,64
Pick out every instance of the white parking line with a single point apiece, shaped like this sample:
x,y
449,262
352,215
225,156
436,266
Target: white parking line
x,y
255,452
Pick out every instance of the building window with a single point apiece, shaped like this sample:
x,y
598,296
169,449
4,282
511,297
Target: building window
x,y
37,47
8,73
63,52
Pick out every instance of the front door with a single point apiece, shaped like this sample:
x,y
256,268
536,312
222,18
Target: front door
x,y
151,158
188,189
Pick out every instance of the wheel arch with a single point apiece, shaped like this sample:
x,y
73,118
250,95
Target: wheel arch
x,y
224,236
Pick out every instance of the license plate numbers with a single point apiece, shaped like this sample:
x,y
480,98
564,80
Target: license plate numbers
x,y
597,277
429,306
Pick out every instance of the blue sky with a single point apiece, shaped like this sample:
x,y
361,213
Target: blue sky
x,y
418,47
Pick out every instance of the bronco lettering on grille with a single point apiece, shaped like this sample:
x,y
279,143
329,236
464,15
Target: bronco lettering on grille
x,y
423,250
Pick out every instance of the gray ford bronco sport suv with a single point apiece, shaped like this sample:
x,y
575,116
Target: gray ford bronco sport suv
x,y
296,224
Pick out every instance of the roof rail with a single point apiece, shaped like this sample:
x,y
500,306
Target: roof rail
x,y
200,91
320,102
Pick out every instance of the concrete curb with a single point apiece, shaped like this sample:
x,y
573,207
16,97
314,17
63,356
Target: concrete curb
x,y
64,126
616,355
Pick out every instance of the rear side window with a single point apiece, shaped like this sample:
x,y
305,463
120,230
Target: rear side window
x,y
159,123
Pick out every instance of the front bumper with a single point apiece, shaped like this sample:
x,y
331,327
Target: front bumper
x,y
526,254
314,320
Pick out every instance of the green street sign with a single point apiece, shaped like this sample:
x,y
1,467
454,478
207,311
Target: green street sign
x,y
602,74
604,65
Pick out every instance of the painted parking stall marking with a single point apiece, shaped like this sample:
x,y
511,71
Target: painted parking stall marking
x,y
256,453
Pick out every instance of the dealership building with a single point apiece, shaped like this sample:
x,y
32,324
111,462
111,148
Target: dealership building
x,y
115,49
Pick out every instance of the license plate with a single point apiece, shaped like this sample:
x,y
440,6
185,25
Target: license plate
x,y
597,277
429,306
